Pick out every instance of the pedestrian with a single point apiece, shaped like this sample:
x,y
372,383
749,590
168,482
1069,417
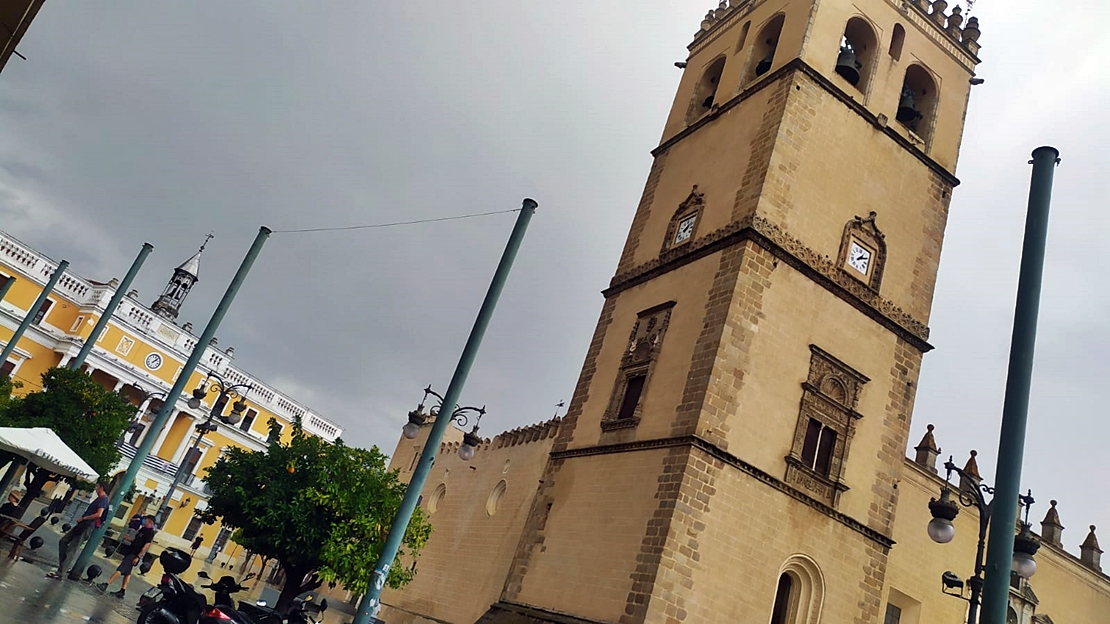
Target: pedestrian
x,y
196,544
96,514
131,558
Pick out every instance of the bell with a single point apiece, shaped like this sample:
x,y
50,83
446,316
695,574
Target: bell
x,y
907,112
847,66
764,65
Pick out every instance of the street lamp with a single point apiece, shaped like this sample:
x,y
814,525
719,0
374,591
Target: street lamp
x,y
461,417
136,424
941,531
213,383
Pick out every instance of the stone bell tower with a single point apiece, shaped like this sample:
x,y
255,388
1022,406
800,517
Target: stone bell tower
x,y
732,448
180,285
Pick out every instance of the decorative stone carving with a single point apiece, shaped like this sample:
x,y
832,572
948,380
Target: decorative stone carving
x,y
863,232
691,207
638,362
829,396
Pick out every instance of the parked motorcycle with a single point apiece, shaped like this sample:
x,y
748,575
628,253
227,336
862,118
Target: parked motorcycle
x,y
174,601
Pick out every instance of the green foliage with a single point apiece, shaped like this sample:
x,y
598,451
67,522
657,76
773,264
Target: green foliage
x,y
88,417
319,509
7,387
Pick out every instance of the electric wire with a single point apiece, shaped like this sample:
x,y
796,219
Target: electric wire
x,y
394,224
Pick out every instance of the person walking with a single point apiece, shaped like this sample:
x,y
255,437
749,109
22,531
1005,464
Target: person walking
x,y
196,544
131,558
93,517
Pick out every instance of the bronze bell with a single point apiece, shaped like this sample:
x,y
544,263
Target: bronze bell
x,y
763,66
847,66
907,111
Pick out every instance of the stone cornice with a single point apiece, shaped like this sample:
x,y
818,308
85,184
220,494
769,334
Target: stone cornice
x,y
798,65
730,459
813,265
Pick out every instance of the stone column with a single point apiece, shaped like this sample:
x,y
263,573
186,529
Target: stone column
x,y
162,434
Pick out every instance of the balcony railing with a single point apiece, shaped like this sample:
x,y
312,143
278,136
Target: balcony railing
x,y
153,462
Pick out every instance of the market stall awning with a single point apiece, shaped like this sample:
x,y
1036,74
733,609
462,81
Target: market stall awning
x,y
43,448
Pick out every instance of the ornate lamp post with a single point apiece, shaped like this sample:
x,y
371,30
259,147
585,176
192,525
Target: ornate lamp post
x,y
941,531
136,422
213,383
460,416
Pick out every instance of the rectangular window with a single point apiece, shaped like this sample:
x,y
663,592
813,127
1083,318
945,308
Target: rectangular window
x,y
818,447
248,419
7,368
221,403
40,314
77,324
893,614
632,393
193,528
825,451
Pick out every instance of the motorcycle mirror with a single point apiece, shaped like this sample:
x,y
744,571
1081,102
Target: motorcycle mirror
x,y
202,574
323,604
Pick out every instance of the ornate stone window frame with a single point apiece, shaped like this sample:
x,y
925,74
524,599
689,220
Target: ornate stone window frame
x,y
691,207
829,395
863,232
639,360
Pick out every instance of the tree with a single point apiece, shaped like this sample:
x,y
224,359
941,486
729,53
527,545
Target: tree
x,y
321,510
88,417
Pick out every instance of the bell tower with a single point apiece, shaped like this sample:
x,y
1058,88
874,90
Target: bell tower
x,y
733,444
184,278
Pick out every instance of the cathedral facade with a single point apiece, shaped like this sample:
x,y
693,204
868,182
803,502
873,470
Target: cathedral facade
x,y
734,451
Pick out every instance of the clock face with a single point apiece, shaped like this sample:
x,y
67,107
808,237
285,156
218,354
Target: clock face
x,y
859,258
685,229
153,361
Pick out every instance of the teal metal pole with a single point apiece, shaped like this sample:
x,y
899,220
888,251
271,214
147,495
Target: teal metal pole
x,y
110,311
30,316
1015,409
6,287
371,602
170,402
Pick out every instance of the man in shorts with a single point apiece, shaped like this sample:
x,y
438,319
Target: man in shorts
x,y
93,517
131,557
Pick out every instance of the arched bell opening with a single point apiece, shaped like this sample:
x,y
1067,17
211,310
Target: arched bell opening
x,y
855,61
706,90
764,47
917,101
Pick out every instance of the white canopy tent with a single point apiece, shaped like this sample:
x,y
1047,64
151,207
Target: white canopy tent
x,y
42,447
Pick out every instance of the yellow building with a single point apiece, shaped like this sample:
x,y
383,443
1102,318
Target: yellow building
x,y
734,451
140,354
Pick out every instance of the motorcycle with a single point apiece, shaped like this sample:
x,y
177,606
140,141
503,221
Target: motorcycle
x,y
174,601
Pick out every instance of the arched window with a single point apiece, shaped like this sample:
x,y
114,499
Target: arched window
x,y
781,610
706,90
896,41
855,61
800,592
917,102
764,47
743,35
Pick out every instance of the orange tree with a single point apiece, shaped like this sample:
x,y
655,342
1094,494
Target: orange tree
x,y
321,510
88,417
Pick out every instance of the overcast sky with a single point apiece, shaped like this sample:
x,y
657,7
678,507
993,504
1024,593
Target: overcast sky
x,y
139,121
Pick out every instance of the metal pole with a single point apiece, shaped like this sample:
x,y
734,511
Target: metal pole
x,y
975,583
371,602
110,311
30,316
6,287
1015,410
180,473
170,402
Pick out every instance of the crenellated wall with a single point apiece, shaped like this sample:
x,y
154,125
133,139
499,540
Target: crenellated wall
x,y
477,512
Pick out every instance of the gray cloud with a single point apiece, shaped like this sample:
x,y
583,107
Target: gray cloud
x,y
137,122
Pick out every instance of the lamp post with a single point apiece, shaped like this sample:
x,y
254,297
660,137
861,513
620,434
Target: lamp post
x,y
212,383
460,416
941,531
136,422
